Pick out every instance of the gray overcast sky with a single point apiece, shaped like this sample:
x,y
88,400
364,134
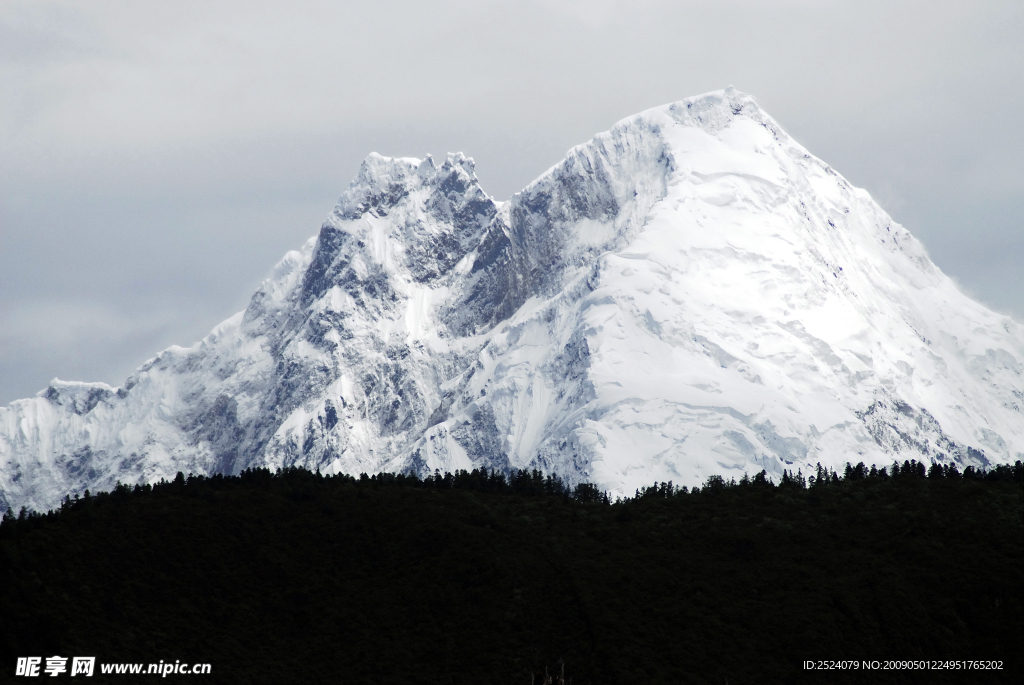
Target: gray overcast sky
x,y
156,159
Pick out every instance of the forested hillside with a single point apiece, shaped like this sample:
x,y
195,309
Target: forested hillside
x,y
480,578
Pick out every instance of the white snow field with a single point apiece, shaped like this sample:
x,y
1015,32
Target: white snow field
x,y
690,293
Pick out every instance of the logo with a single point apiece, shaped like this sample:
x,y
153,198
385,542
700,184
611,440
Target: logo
x,y
55,665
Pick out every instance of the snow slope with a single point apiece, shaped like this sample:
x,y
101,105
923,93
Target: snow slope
x,y
690,293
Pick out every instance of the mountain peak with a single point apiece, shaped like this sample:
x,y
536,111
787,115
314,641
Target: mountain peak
x,y
690,293
711,111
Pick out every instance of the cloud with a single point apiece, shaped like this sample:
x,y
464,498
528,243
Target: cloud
x,y
162,156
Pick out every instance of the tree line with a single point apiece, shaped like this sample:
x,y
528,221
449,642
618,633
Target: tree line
x,y
490,577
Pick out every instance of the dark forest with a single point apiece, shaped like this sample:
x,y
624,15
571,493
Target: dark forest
x,y
294,577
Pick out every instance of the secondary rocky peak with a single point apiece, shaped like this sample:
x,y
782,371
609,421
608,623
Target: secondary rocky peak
x,y
77,397
384,182
401,218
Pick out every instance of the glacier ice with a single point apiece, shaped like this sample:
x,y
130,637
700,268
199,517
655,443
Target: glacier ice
x,y
690,293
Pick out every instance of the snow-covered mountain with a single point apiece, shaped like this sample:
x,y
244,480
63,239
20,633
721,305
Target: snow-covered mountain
x,y
690,293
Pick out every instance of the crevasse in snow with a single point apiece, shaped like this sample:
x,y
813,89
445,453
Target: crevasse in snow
x,y
690,293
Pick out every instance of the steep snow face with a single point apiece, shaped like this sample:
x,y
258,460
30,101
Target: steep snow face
x,y
721,301
691,293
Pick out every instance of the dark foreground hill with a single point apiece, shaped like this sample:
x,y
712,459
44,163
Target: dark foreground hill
x,y
475,578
